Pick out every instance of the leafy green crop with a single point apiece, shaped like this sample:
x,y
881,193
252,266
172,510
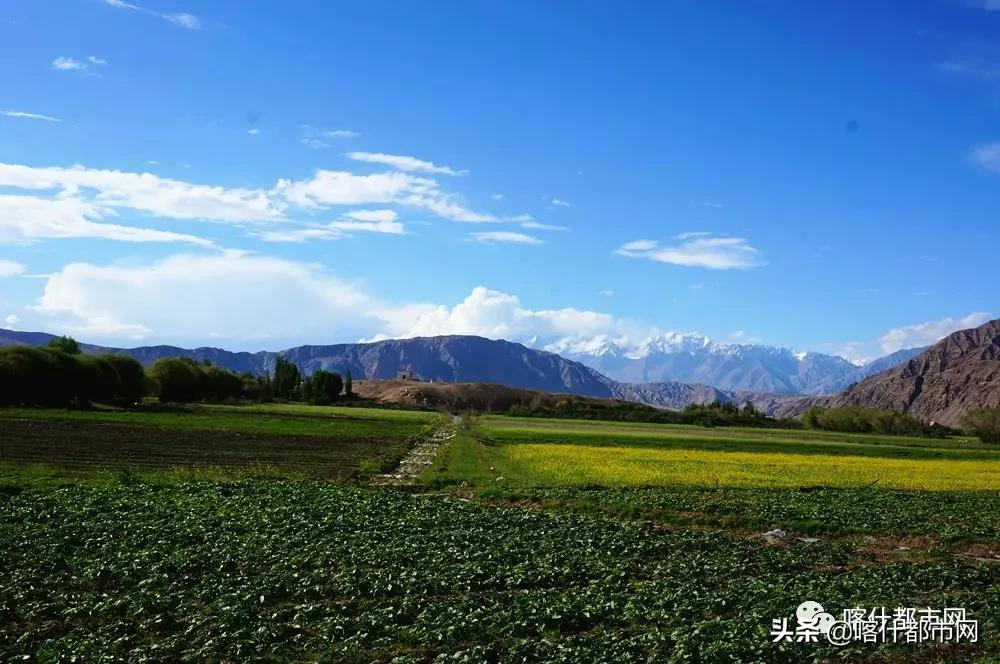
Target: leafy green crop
x,y
311,571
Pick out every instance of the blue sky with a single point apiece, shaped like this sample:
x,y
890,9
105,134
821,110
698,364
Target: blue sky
x,y
820,177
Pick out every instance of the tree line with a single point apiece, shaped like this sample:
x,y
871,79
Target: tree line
x,y
61,375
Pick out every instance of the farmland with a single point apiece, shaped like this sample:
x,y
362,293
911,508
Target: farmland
x,y
614,554
546,453
321,442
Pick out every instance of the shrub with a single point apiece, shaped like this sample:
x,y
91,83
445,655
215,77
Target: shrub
x,y
985,423
861,419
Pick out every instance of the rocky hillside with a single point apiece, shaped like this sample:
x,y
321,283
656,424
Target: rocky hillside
x,y
960,372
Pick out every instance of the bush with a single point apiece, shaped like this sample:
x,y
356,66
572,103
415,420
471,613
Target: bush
x,y
861,419
985,423
182,379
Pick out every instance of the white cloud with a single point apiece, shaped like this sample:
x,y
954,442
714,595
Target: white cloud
x,y
986,155
94,60
313,143
390,227
299,235
26,219
606,293
929,332
497,197
344,188
560,203
403,163
715,253
504,237
495,315
314,138
253,132
230,296
162,197
184,20
11,320
180,19
10,268
373,215
326,188
29,116
534,225
67,64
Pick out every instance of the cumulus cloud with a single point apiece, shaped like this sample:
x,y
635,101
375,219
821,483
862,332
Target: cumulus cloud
x,y
231,296
11,320
29,116
238,297
403,163
496,315
504,237
10,268
697,250
929,332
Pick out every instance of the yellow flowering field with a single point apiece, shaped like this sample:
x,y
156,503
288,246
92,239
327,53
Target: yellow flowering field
x,y
569,464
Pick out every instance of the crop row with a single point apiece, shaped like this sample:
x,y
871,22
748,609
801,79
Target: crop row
x,y
306,571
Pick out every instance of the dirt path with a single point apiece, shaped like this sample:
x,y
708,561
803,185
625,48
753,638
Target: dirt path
x,y
420,457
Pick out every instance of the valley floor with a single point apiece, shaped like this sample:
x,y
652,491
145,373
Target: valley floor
x,y
627,549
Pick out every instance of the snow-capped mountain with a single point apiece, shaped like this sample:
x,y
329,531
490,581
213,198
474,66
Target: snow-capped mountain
x,y
692,358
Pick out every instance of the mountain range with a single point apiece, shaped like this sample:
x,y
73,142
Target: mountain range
x,y
958,373
688,358
670,375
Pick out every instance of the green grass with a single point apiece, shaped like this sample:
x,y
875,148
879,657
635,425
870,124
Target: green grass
x,y
310,571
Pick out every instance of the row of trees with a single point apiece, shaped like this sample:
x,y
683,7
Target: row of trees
x,y
985,423
860,419
61,375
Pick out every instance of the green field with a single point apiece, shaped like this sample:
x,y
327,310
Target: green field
x,y
552,453
290,439
535,541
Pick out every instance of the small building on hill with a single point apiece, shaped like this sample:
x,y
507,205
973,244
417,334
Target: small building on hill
x,y
405,375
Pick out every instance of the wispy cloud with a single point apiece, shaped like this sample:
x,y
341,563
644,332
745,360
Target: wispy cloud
x,y
10,268
714,253
29,116
65,63
404,163
536,226
497,197
988,5
504,237
94,60
986,155
929,332
180,19
561,203
606,292
253,132
315,138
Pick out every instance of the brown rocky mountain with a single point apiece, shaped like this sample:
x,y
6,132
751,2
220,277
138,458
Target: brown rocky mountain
x,y
955,375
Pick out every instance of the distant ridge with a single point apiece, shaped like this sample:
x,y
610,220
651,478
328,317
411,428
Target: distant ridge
x,y
451,359
955,375
689,358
